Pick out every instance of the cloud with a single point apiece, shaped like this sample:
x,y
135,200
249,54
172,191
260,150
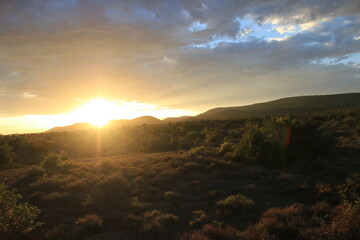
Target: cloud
x,y
197,26
182,53
29,95
279,39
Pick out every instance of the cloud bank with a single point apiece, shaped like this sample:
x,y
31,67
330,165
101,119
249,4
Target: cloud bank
x,y
181,54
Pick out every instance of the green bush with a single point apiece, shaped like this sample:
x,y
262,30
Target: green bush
x,y
198,152
50,162
16,216
234,204
254,147
225,147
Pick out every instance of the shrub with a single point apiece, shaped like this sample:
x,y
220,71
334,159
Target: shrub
x,y
150,194
319,222
212,232
345,223
198,152
157,223
106,167
6,155
255,148
34,174
50,162
172,196
234,204
57,232
357,130
139,181
62,203
136,205
130,222
168,220
250,147
309,141
321,209
200,219
46,184
114,186
277,223
225,147
214,194
350,191
89,225
31,176
16,217
323,189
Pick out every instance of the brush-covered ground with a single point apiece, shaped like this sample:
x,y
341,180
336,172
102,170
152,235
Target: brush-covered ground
x,y
287,177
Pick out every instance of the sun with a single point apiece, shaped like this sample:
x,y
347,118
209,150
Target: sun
x,y
98,112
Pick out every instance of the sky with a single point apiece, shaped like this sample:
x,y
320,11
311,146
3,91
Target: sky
x,y
171,57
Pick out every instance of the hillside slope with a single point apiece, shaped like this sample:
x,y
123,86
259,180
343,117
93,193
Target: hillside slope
x,y
289,105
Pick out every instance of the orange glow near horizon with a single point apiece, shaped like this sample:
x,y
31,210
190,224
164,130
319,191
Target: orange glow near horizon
x,y
96,111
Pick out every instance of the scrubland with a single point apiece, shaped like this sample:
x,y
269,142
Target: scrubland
x,y
276,177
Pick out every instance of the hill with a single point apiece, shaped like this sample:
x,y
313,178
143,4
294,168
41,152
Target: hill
x,y
136,121
291,105
73,127
112,124
177,119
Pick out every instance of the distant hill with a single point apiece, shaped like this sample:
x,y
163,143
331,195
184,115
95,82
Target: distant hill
x,y
290,105
136,121
111,124
73,127
177,119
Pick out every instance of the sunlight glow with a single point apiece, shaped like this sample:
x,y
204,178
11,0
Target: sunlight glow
x,y
98,112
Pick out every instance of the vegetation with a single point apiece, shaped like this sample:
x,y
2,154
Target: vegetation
x,y
50,162
269,140
234,204
273,177
89,225
15,216
6,155
350,191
